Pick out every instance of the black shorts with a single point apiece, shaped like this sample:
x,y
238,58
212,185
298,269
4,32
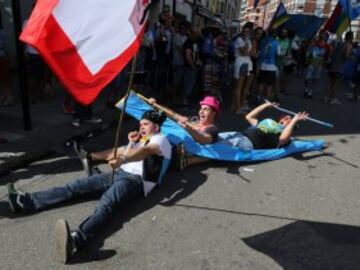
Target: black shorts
x,y
267,77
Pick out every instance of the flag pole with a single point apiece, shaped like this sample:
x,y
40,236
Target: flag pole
x,y
21,66
307,118
119,127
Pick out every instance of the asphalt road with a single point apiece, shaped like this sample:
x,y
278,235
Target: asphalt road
x,y
295,213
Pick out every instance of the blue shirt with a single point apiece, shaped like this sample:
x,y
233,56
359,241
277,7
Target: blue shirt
x,y
268,51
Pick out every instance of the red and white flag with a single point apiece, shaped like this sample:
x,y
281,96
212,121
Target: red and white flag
x,y
86,43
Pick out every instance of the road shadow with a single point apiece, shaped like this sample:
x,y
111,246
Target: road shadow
x,y
57,164
310,245
176,187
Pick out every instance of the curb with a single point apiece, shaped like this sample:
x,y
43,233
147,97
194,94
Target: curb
x,y
43,146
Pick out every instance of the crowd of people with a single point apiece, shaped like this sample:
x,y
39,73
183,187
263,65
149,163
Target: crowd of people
x,y
183,63
180,61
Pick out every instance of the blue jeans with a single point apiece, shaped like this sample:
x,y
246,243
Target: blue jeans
x,y
236,139
113,195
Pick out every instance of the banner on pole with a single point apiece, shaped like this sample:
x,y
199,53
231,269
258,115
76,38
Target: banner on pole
x,y
86,43
280,16
351,7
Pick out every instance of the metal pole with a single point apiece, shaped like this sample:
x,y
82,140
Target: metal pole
x,y
21,65
121,120
307,118
174,8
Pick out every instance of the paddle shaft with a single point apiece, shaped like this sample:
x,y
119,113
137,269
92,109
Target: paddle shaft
x,y
119,127
307,118
166,110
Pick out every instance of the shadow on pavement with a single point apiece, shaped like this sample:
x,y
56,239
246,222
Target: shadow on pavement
x,y
58,164
176,187
310,245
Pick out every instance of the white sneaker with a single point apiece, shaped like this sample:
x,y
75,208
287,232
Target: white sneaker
x,y
334,101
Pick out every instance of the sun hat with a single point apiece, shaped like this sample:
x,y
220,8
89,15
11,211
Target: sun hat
x,y
212,102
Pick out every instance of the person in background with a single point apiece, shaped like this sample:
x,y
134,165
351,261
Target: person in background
x,y
295,52
283,60
349,65
192,63
178,59
258,36
335,64
267,64
357,74
150,56
163,47
40,77
83,114
242,68
318,57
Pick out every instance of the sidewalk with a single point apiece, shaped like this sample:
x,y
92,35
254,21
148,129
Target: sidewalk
x,y
50,128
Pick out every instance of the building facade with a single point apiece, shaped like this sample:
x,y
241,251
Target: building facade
x,y
265,10
204,12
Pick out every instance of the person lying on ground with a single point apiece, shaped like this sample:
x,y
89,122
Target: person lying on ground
x,y
264,134
203,131
145,162
267,133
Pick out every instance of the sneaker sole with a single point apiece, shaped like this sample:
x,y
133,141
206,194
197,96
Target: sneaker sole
x,y
62,240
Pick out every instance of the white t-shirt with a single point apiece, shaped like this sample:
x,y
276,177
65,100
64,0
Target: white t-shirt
x,y
241,43
136,167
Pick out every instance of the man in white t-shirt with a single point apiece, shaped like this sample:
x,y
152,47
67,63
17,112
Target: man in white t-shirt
x,y
139,168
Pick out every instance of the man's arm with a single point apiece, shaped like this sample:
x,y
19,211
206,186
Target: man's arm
x,y
251,117
170,113
135,155
287,132
202,138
